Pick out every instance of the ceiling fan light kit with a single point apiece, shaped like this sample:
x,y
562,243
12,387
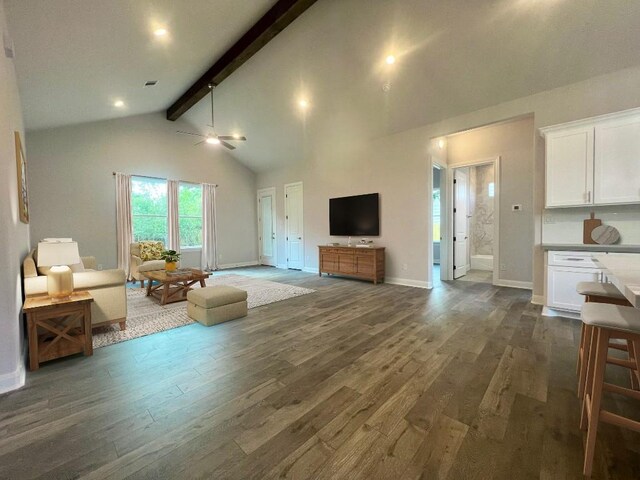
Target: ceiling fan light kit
x,y
213,138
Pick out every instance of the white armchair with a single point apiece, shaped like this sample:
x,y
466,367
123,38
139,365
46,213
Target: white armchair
x,y
138,266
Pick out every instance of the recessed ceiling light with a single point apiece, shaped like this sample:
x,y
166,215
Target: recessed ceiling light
x,y
160,32
212,141
390,60
118,104
303,103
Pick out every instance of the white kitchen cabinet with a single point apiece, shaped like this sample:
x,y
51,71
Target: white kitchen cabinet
x,y
561,286
594,161
569,167
617,161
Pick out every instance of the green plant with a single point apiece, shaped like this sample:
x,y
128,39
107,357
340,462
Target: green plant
x,y
170,256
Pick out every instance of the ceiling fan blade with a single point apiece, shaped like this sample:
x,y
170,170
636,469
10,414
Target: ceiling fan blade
x,y
199,143
232,138
228,145
189,133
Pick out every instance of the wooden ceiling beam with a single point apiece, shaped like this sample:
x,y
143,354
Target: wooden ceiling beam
x,y
281,15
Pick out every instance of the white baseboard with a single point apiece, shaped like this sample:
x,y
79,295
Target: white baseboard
x,y
408,283
225,266
282,266
550,312
537,299
13,380
310,269
514,284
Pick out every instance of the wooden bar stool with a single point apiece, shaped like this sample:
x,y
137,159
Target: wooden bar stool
x,y
606,322
595,292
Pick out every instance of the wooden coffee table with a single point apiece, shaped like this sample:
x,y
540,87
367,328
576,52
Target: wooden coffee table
x,y
173,287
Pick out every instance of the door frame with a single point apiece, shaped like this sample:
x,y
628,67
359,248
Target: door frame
x,y
286,221
444,229
495,161
272,191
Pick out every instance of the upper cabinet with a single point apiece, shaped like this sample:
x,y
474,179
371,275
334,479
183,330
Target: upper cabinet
x,y
594,161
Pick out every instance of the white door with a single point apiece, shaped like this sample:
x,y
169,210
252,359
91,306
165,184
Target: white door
x,y
267,226
569,167
561,286
294,225
617,161
460,223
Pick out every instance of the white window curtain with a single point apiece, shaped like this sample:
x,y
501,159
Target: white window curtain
x,y
123,220
173,239
209,247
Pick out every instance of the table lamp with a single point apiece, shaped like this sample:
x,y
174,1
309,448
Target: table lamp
x,y
58,256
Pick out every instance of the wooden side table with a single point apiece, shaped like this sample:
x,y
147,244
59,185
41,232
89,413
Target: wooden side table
x,y
58,328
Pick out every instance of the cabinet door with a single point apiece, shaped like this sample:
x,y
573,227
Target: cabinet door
x,y
569,167
364,264
345,263
617,161
561,286
328,262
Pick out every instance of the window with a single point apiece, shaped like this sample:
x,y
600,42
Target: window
x,y
436,214
492,189
190,215
149,209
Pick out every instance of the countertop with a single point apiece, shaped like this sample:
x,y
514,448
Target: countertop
x,y
591,248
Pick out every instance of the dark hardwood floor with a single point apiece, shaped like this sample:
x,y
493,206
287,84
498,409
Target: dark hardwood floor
x,y
467,381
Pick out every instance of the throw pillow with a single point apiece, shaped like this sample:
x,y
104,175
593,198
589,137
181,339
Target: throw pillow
x,y
151,250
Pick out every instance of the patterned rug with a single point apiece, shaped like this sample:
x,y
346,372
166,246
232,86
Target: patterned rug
x,y
146,316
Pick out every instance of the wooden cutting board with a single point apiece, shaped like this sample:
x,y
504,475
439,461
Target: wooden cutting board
x,y
589,225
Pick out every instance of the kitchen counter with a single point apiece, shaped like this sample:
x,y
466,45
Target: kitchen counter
x,y
624,273
591,248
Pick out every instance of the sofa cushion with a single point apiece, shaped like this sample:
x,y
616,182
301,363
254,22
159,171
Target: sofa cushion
x,y
211,297
152,266
151,250
75,268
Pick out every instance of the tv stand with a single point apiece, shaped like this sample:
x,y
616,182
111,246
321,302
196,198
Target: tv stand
x,y
363,263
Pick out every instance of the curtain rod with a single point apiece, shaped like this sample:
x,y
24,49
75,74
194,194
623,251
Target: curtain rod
x,y
160,178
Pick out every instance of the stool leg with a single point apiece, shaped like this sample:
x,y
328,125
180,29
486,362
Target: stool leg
x,y
584,355
588,375
580,350
594,398
633,372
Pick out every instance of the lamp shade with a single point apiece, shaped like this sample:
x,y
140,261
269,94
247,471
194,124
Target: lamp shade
x,y
57,253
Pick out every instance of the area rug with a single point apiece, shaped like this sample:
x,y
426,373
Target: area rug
x,y
146,316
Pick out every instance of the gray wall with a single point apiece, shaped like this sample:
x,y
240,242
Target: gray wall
x,y
14,235
398,167
73,192
513,143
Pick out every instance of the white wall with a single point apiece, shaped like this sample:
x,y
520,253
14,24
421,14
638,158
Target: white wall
x,y
397,166
73,192
513,143
14,235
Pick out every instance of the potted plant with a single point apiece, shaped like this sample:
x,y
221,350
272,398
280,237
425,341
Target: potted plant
x,y
170,258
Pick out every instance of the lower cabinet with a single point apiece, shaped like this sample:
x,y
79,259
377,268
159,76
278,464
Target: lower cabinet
x,y
561,286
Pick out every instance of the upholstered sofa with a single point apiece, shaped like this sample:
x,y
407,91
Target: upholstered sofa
x,y
137,266
107,287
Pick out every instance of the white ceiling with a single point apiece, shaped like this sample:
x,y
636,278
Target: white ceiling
x,y
454,56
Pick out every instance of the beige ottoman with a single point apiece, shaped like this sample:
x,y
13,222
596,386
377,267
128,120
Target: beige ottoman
x,y
211,305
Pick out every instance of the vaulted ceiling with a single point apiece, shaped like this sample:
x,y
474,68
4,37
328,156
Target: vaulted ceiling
x,y
74,58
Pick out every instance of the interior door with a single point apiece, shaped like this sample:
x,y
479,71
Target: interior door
x,y
266,226
460,223
294,225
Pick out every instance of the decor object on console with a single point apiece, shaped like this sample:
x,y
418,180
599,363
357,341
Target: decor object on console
x,y
23,192
364,263
58,256
212,305
171,258
107,287
145,257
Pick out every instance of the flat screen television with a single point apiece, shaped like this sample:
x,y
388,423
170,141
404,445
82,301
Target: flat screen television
x,y
358,215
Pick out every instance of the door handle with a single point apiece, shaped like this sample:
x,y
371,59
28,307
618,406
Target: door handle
x,y
299,238
273,236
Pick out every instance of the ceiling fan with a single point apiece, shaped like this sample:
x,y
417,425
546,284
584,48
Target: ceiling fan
x,y
213,138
